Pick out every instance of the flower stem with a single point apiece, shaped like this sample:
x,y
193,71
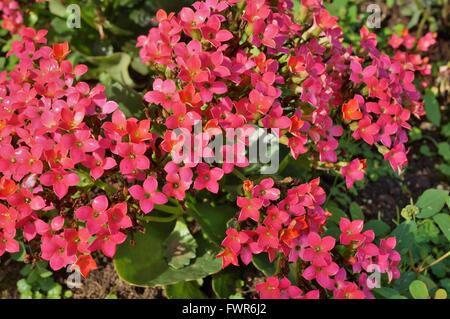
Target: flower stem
x,y
421,268
239,175
159,219
170,209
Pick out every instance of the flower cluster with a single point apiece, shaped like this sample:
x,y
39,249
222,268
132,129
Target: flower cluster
x,y
290,229
11,13
54,129
277,71
226,64
381,115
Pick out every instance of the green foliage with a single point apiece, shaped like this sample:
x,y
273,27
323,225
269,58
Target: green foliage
x,y
419,290
164,255
432,108
38,283
424,244
431,202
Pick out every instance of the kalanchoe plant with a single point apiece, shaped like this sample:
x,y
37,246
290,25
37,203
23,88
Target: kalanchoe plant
x,y
78,176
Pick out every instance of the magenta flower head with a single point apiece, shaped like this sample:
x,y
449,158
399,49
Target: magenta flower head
x,y
147,195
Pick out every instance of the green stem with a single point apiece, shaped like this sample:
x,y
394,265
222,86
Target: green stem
x,y
239,175
170,209
284,163
158,219
334,184
421,268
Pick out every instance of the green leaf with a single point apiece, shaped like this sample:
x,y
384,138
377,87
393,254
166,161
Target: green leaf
x,y
55,292
130,101
387,293
445,169
20,255
445,130
180,246
380,228
336,212
57,8
116,65
432,108
425,150
444,150
431,202
225,283
213,220
144,263
445,283
356,211
419,290
405,233
427,231
263,264
23,286
443,221
184,290
85,179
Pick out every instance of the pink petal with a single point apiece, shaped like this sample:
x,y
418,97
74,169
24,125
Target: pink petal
x,y
146,205
100,203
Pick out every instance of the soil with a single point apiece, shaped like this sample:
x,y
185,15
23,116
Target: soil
x,y
388,195
9,275
104,282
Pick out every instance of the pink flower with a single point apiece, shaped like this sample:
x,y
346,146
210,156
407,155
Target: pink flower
x,y
147,195
321,270
134,158
264,34
349,291
327,150
107,242
7,241
234,239
207,178
118,218
367,130
350,231
98,163
60,180
178,179
95,216
397,157
359,74
54,249
319,248
259,103
249,208
354,171
267,237
266,191
164,93
79,144
275,217
426,41
212,32
228,257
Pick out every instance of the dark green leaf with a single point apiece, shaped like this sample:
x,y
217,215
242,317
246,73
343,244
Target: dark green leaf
x,y
225,283
431,202
380,228
213,220
184,290
180,246
432,108
443,221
